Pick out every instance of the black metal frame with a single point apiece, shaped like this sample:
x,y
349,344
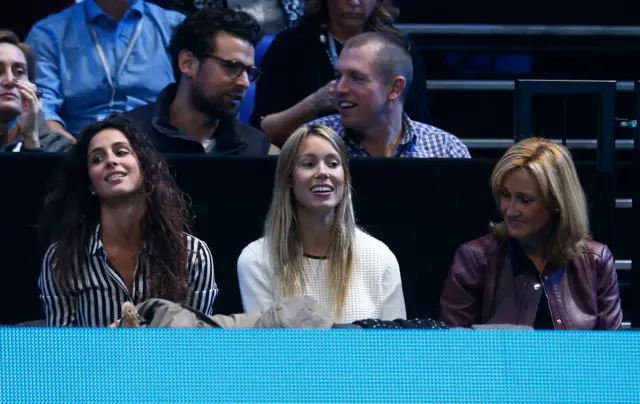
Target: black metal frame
x,y
603,225
635,263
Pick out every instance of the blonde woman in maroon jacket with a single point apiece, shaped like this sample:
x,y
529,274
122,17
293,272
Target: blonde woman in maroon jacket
x,y
539,266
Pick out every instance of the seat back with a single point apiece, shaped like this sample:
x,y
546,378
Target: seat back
x,y
250,98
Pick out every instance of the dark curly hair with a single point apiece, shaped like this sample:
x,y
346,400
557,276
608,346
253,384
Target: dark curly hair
x,y
197,32
71,214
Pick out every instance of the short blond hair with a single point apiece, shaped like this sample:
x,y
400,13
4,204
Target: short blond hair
x,y
552,167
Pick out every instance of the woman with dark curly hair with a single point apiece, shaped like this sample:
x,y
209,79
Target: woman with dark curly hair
x,y
117,227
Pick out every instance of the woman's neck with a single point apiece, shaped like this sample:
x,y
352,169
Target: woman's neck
x,y
315,231
120,223
534,249
342,33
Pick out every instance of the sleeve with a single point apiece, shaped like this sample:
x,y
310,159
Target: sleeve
x,y
457,149
43,43
461,298
393,306
59,305
202,284
609,306
273,90
49,141
417,103
254,280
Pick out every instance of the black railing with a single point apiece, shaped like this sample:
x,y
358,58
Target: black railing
x,y
603,204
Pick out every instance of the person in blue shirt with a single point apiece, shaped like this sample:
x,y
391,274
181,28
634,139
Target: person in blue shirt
x,y
101,57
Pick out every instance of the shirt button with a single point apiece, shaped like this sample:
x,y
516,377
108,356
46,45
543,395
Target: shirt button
x,y
536,286
559,321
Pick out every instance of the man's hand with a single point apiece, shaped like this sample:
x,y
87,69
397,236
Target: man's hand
x,y
325,98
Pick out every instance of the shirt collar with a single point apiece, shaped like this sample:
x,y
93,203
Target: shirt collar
x,y
226,135
16,144
95,242
94,11
409,136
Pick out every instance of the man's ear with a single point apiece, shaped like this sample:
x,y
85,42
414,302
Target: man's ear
x,y
188,63
396,88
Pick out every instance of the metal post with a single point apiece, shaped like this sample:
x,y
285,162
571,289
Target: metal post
x,y
635,259
604,201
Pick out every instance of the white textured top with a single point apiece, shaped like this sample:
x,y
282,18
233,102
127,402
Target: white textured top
x,y
375,287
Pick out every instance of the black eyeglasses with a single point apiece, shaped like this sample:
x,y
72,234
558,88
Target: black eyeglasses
x,y
235,68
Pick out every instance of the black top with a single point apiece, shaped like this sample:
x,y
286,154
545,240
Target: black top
x,y
522,263
544,321
232,137
296,65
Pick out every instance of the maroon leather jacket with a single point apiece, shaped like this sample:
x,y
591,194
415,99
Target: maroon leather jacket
x,y
487,284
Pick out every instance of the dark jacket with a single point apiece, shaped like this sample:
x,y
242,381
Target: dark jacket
x,y
49,141
296,65
232,136
489,283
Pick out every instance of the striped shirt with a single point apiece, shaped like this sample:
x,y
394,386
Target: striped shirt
x,y
98,291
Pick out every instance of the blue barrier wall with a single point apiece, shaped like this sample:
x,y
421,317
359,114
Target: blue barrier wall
x,y
336,366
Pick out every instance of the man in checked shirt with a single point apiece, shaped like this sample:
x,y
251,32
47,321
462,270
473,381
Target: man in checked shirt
x,y
373,72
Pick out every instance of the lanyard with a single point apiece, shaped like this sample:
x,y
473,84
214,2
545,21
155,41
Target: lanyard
x,y
331,47
113,81
333,55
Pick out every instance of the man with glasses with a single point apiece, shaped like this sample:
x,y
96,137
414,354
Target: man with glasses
x,y
212,53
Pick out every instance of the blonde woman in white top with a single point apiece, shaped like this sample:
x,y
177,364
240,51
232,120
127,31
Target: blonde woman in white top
x,y
311,244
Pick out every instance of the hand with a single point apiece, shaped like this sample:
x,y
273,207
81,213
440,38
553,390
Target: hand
x,y
325,98
115,324
31,107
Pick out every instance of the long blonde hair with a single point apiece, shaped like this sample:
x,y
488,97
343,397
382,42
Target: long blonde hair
x,y
552,167
281,233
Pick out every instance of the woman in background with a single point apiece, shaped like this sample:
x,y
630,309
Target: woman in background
x,y
116,224
311,244
539,266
